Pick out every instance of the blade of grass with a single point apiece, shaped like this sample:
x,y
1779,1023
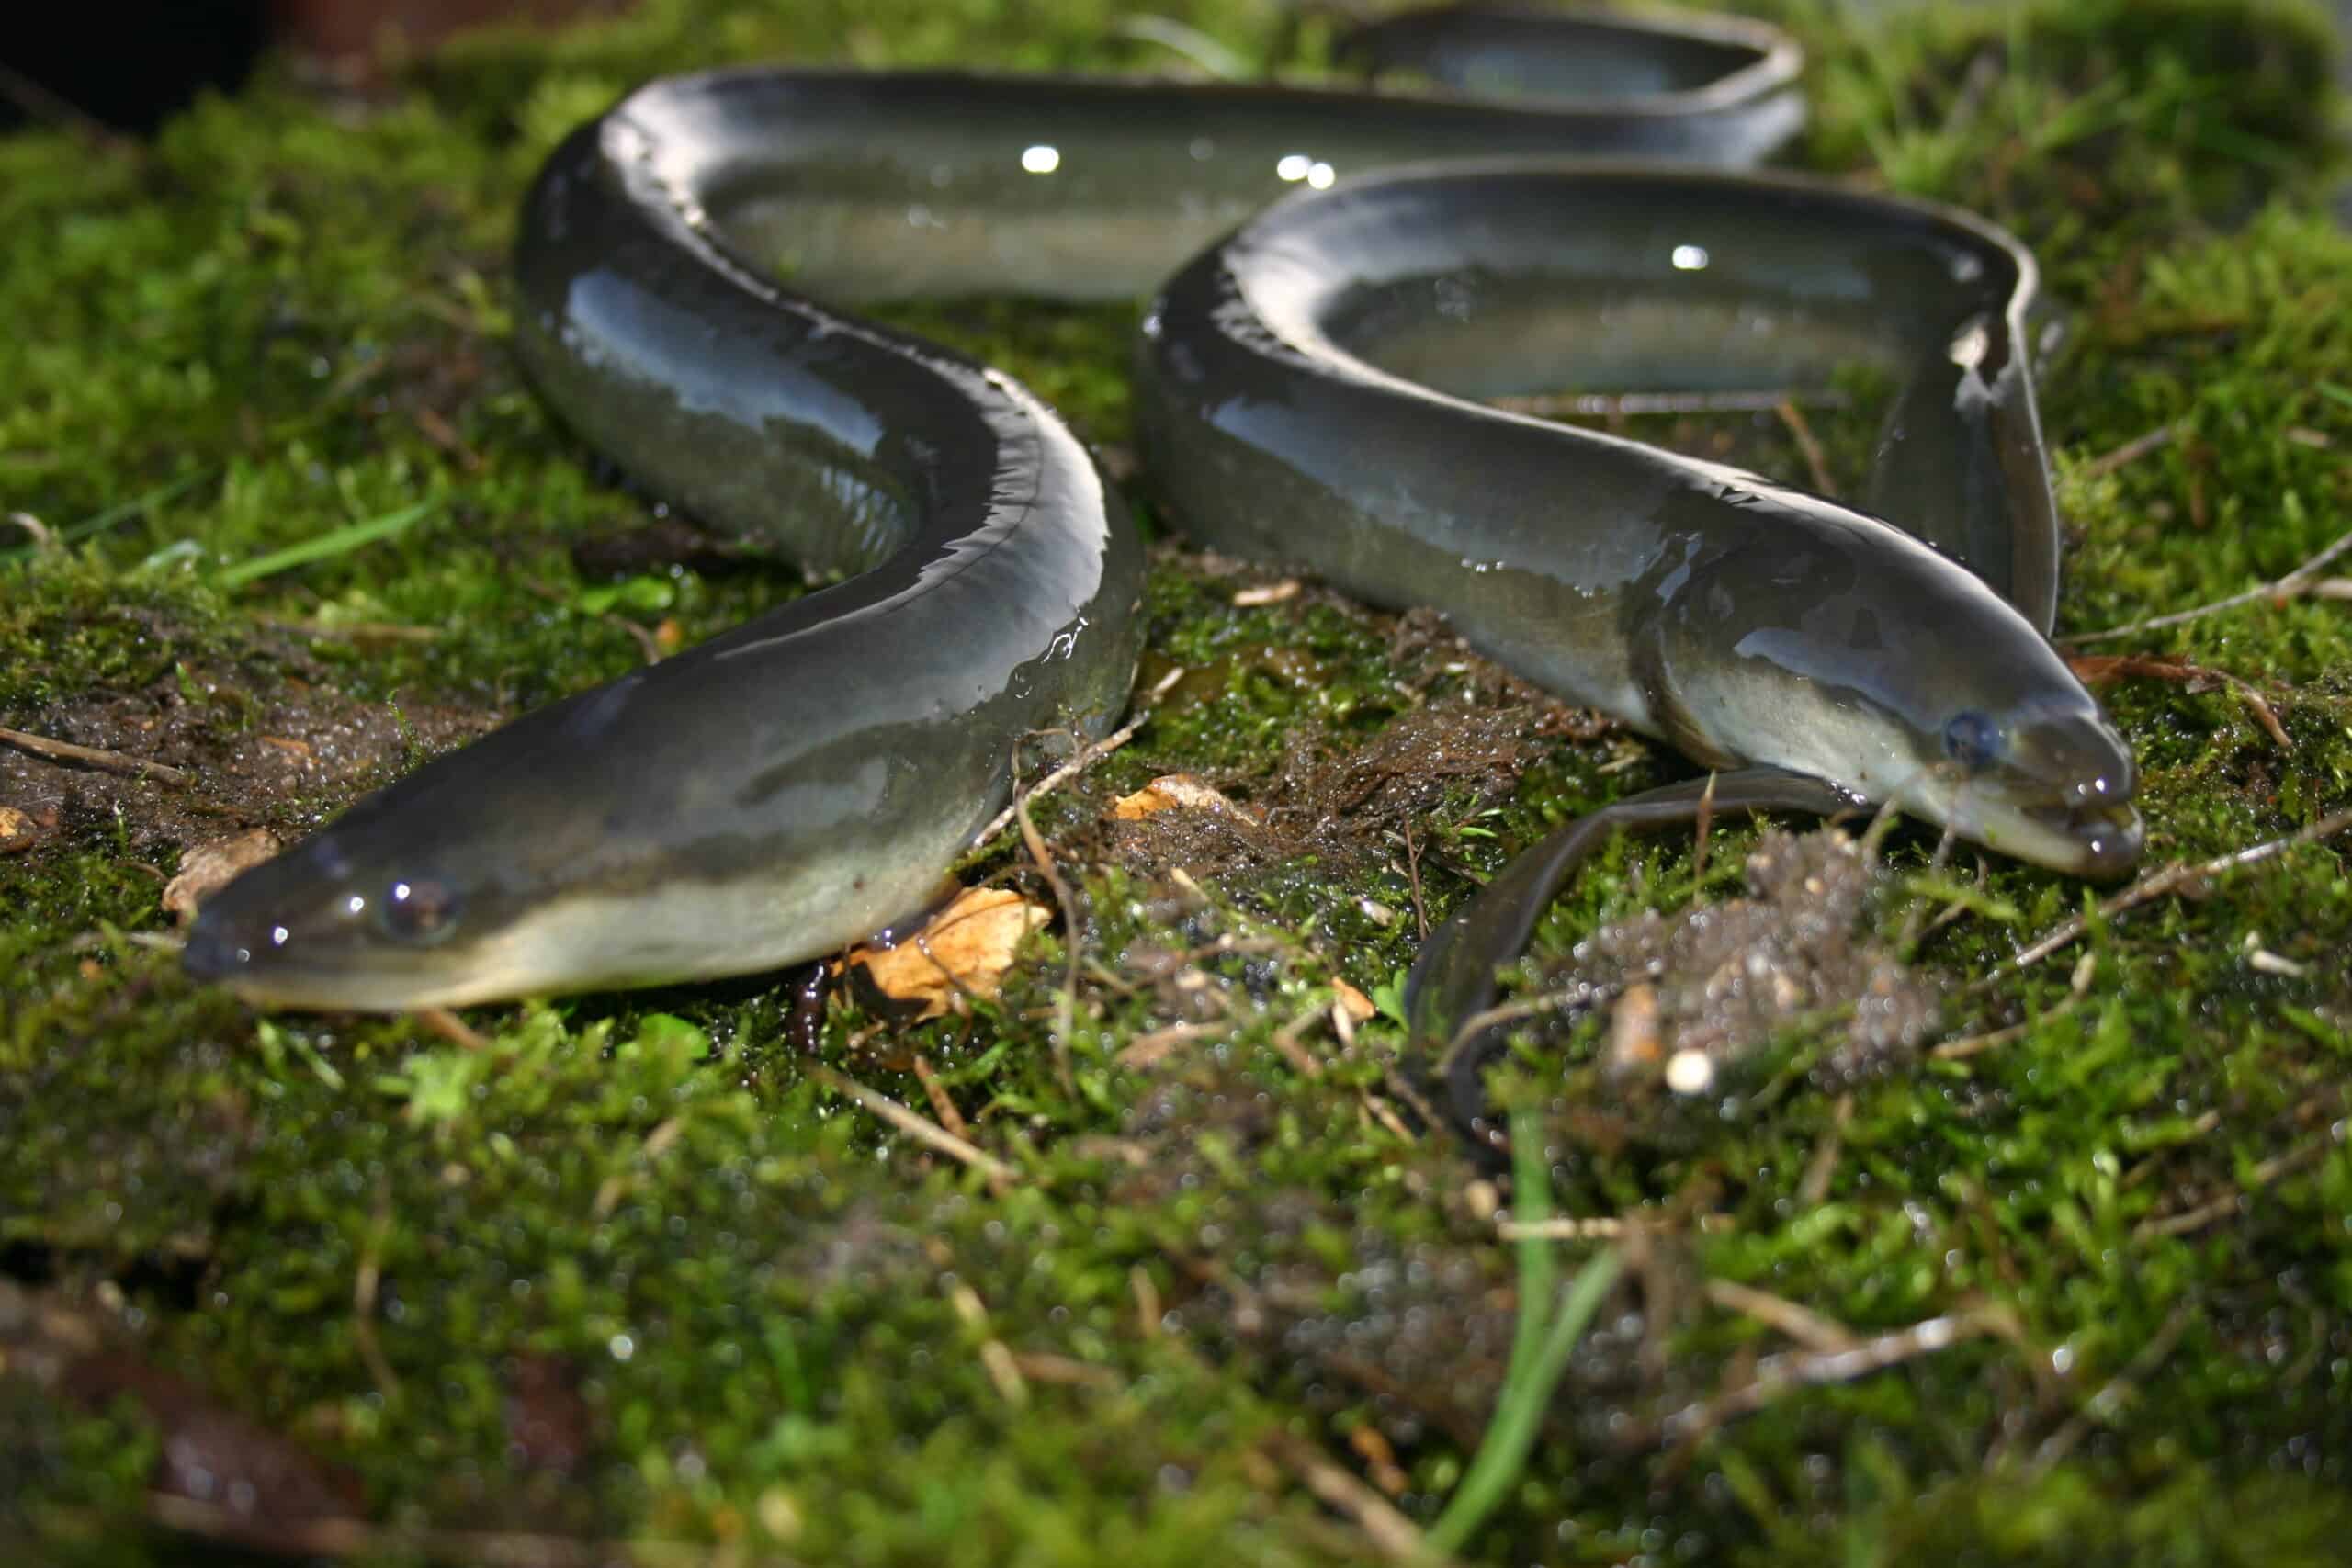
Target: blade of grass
x,y
336,542
1541,1346
99,521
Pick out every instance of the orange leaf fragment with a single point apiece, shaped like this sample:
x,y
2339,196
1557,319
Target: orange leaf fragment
x,y
209,867
961,951
1167,792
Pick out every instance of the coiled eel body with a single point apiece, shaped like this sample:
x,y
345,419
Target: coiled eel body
x,y
1304,394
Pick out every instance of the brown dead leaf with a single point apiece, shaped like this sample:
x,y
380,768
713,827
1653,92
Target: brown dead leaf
x,y
206,868
2099,669
1167,792
17,830
1634,1041
962,951
1352,1002
1272,593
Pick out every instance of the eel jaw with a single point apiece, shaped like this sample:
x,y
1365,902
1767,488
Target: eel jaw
x,y
2092,838
2105,838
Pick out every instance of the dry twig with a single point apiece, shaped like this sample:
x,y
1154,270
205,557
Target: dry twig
x,y
1778,1375
1976,1044
1824,1169
450,1027
2278,592
928,1133
1397,1537
2156,884
2131,452
106,761
2096,668
1084,757
1066,1004
1814,460
2117,1390
1802,1323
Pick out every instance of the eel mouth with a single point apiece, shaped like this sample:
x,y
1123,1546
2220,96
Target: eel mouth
x,y
2099,839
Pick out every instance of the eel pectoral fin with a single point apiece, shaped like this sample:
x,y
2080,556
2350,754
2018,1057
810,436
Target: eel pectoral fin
x,y
1453,981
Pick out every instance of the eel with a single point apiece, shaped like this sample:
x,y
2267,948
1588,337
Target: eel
x,y
1306,392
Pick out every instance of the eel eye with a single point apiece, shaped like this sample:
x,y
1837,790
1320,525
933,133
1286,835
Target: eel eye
x,y
1972,741
419,909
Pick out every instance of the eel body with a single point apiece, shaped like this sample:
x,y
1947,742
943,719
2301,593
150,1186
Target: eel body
x,y
1304,393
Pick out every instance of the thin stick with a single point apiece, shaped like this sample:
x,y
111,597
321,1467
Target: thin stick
x,y
1583,993
1792,416
1802,1323
364,1287
927,1132
2278,591
1395,1536
1413,880
2095,669
1824,1169
2156,884
1066,1004
452,1028
1149,1309
2221,1207
1600,1227
942,1105
1150,1050
1976,1044
1378,1110
2117,1389
2132,451
1783,1373
107,761
1551,404
39,103
1192,44
1083,758
1286,1038
1706,820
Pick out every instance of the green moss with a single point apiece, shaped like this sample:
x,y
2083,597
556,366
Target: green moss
x,y
782,1325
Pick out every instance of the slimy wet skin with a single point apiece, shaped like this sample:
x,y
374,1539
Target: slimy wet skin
x,y
1304,393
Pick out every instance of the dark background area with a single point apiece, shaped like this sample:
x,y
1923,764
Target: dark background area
x,y
129,64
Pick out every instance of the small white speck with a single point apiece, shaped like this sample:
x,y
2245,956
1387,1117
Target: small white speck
x,y
355,903
1689,1072
1320,175
1041,159
1690,258
1293,166
277,935
622,1346
1969,344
